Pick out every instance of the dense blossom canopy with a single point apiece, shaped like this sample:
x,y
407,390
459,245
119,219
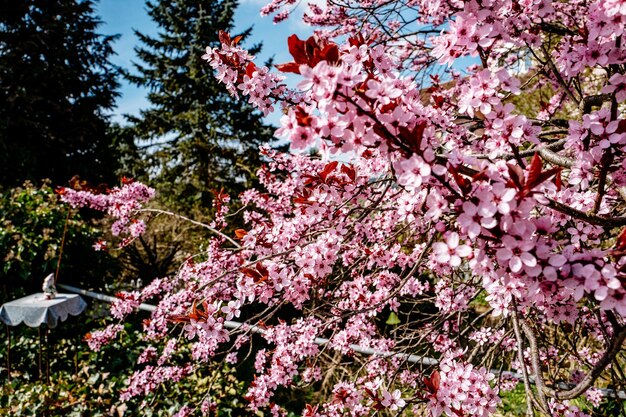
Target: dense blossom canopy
x,y
472,182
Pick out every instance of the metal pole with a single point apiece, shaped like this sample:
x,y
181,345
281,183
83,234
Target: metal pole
x,y
67,220
39,361
234,325
47,337
9,354
76,356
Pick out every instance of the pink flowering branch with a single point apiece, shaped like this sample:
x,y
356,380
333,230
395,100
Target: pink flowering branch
x,y
121,203
440,208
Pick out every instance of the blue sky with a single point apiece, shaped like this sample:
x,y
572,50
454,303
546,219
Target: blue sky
x,y
122,16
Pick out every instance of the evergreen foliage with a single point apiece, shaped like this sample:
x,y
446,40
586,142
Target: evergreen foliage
x,y
56,85
195,137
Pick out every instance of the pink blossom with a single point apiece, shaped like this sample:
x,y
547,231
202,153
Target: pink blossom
x,y
421,200
451,252
393,400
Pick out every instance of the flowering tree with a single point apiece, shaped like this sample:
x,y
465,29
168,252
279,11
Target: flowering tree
x,y
493,239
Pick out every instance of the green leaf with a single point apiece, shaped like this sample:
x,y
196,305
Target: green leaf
x,y
393,319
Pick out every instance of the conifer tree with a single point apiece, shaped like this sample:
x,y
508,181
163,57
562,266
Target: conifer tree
x,y
196,138
56,86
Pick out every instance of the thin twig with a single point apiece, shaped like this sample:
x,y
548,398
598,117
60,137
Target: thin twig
x,y
197,223
591,377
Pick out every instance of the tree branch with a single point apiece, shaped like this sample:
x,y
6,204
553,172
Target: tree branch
x,y
591,377
197,223
587,217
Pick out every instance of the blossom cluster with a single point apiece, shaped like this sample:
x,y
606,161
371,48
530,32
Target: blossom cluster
x,y
99,338
121,203
463,390
447,222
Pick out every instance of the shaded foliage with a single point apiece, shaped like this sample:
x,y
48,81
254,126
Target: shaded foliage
x,y
56,84
32,222
196,138
86,383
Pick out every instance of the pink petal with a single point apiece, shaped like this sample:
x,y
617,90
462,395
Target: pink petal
x,y
463,251
557,260
528,259
515,264
503,255
453,240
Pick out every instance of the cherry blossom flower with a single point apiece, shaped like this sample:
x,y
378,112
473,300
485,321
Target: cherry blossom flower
x,y
451,252
410,184
393,400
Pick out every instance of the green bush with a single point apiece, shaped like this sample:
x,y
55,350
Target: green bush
x,y
32,221
85,383
82,382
